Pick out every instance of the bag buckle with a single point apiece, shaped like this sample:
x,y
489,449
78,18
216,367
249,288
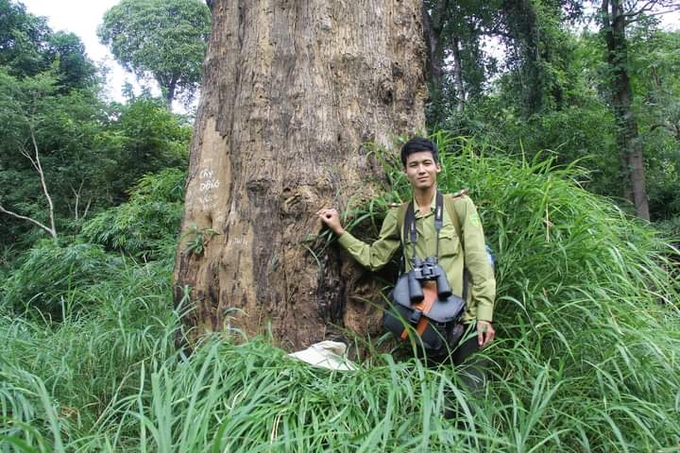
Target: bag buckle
x,y
415,316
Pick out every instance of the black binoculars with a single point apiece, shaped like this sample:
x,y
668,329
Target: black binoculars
x,y
425,271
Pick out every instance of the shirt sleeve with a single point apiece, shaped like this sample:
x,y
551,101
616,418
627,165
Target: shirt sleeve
x,y
482,280
379,253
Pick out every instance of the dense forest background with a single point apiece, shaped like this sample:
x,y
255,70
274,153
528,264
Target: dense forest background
x,y
582,98
525,79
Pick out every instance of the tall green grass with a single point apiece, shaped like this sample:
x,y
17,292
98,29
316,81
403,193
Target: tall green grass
x,y
586,360
586,296
67,372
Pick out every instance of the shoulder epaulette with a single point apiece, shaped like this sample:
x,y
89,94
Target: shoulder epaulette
x,y
460,193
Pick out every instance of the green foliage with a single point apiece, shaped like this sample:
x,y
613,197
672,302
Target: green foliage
x,y
43,284
35,117
552,89
159,39
269,402
91,153
21,37
145,138
197,239
541,55
581,126
28,47
655,70
587,303
146,226
459,67
90,157
67,54
587,316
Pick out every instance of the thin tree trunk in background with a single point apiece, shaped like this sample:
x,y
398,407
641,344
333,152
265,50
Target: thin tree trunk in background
x,y
458,76
170,98
434,20
524,26
292,92
630,147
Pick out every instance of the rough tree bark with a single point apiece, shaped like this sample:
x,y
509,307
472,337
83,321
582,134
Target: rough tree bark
x,y
292,92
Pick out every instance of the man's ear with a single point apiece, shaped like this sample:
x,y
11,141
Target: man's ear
x,y
439,167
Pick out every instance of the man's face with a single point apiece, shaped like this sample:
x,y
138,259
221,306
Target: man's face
x,y
421,170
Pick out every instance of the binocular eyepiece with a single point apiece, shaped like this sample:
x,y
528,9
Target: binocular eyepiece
x,y
426,271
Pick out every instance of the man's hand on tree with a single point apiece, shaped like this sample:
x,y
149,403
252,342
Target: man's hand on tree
x,y
330,217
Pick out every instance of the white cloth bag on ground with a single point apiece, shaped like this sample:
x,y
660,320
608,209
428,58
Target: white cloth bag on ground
x,y
326,354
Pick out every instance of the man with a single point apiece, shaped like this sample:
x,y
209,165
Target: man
x,y
421,166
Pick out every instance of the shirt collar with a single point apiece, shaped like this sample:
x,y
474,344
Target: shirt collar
x,y
433,206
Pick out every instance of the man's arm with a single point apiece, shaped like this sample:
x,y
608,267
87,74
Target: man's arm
x,y
373,256
482,280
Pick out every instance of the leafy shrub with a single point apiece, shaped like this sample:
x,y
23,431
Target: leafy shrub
x,y
49,274
146,226
144,139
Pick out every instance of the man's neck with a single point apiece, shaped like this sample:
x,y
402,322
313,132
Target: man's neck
x,y
424,197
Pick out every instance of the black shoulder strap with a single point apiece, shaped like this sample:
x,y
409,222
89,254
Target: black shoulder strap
x,y
401,227
410,223
409,233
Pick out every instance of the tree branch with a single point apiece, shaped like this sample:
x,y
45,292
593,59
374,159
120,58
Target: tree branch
x,y
23,217
76,194
35,161
43,183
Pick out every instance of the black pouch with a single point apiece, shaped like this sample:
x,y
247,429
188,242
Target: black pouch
x,y
454,334
401,317
396,320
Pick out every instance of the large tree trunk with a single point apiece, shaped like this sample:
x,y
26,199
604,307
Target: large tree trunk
x,y
292,93
630,147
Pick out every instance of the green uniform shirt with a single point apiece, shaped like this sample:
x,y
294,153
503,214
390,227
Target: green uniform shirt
x,y
453,257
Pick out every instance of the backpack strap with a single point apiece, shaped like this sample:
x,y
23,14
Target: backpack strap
x,y
450,205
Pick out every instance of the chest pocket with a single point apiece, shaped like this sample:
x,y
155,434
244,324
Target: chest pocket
x,y
449,242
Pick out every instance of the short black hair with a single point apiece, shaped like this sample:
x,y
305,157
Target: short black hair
x,y
416,144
